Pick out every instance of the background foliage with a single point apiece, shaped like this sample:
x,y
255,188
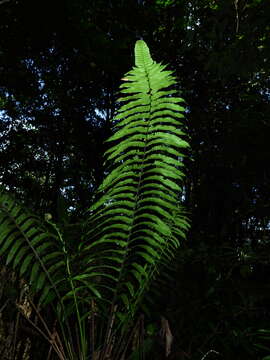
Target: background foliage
x,y
60,65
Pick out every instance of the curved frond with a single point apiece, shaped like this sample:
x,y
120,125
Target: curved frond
x,y
28,247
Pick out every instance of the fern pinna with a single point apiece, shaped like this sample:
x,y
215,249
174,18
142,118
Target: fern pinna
x,y
131,229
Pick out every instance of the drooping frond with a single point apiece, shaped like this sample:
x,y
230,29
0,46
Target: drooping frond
x,y
28,247
135,225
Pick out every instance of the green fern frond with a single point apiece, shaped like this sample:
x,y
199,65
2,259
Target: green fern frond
x,y
132,220
30,249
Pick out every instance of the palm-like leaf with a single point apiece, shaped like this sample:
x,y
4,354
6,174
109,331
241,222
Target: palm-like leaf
x,y
131,230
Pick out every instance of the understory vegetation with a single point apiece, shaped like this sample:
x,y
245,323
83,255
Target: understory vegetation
x,y
98,281
134,224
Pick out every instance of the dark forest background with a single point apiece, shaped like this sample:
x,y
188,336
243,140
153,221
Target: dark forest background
x,y
60,67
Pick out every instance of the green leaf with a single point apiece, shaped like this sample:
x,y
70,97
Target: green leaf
x,y
13,251
34,273
26,264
